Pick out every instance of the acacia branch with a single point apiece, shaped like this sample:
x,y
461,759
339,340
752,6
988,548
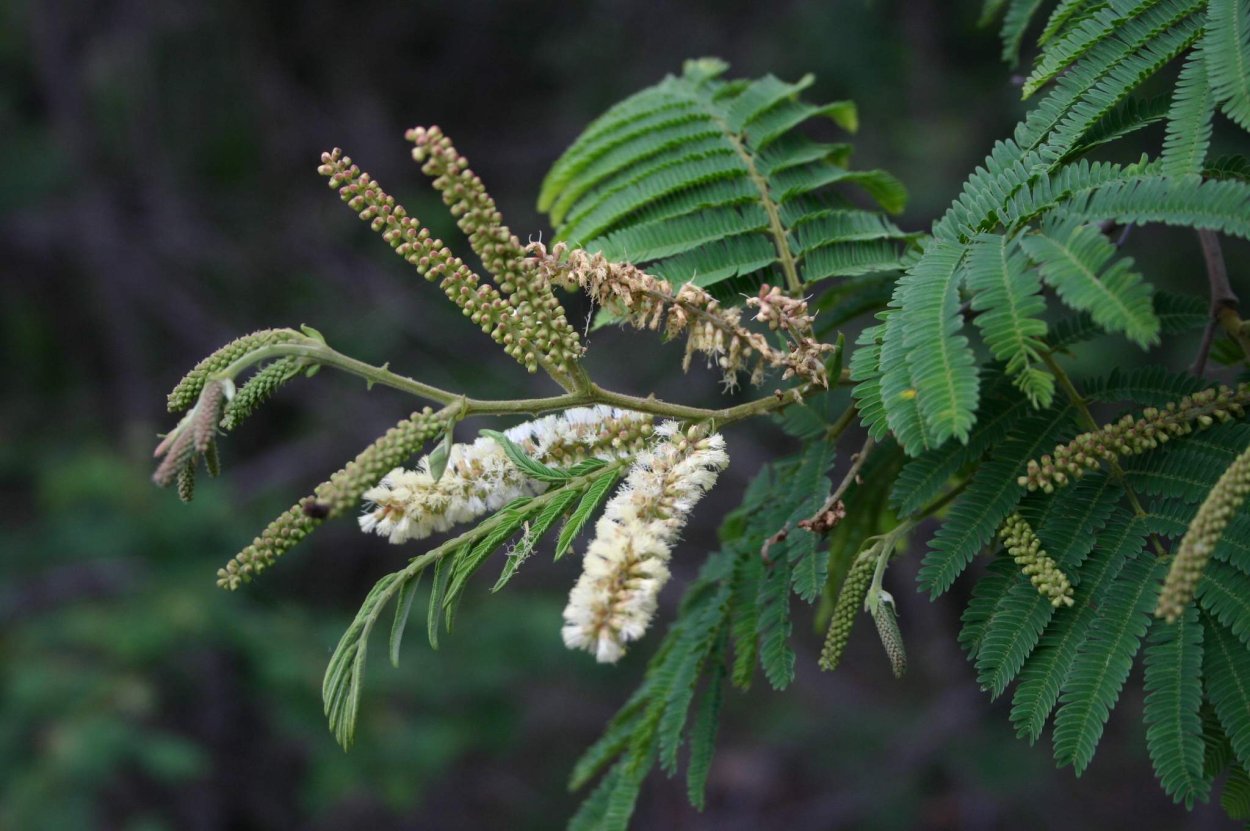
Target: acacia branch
x,y
587,394
1224,302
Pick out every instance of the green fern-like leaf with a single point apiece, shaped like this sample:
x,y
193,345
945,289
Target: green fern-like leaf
x,y
1189,119
988,592
651,726
1008,293
1078,40
939,357
1010,633
1047,670
992,494
541,524
1227,672
1107,73
924,477
1126,118
747,577
1066,15
1068,525
344,678
1103,662
898,389
776,655
701,179
866,373
1227,51
1224,593
1173,699
1072,259
1177,314
1217,205
586,507
1015,21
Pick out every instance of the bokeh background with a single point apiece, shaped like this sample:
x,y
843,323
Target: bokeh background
x,y
159,197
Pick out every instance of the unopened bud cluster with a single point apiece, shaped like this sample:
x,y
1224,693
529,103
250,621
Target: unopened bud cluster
x,y
1196,547
845,610
1043,572
259,388
194,438
1135,434
548,332
626,564
188,389
331,498
481,302
479,478
886,618
646,301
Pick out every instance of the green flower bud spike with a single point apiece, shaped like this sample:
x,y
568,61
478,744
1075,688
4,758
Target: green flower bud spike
x,y
1043,572
1194,551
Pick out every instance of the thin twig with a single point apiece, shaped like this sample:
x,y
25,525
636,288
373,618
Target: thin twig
x,y
1223,300
321,353
828,514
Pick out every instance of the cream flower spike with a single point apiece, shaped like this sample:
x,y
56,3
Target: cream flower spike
x,y
479,478
626,565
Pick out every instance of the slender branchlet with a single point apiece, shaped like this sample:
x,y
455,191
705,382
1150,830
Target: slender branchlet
x,y
340,493
481,302
626,564
646,301
529,293
1208,525
846,609
1132,435
188,389
1043,572
479,478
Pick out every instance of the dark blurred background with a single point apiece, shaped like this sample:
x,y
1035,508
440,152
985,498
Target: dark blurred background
x,y
159,198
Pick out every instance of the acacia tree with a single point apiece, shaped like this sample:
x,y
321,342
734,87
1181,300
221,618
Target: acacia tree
x,y
696,193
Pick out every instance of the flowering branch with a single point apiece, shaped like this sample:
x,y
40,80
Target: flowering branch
x,y
317,351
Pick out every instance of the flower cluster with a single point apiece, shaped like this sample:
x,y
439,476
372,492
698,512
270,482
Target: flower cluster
x,y
646,301
479,478
1196,547
626,564
1043,572
332,497
548,331
1134,434
481,302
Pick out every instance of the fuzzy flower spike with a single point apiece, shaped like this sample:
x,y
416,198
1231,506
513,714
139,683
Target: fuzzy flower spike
x,y
479,478
626,564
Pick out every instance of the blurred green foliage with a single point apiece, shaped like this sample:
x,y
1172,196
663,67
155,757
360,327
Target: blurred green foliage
x,y
128,683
